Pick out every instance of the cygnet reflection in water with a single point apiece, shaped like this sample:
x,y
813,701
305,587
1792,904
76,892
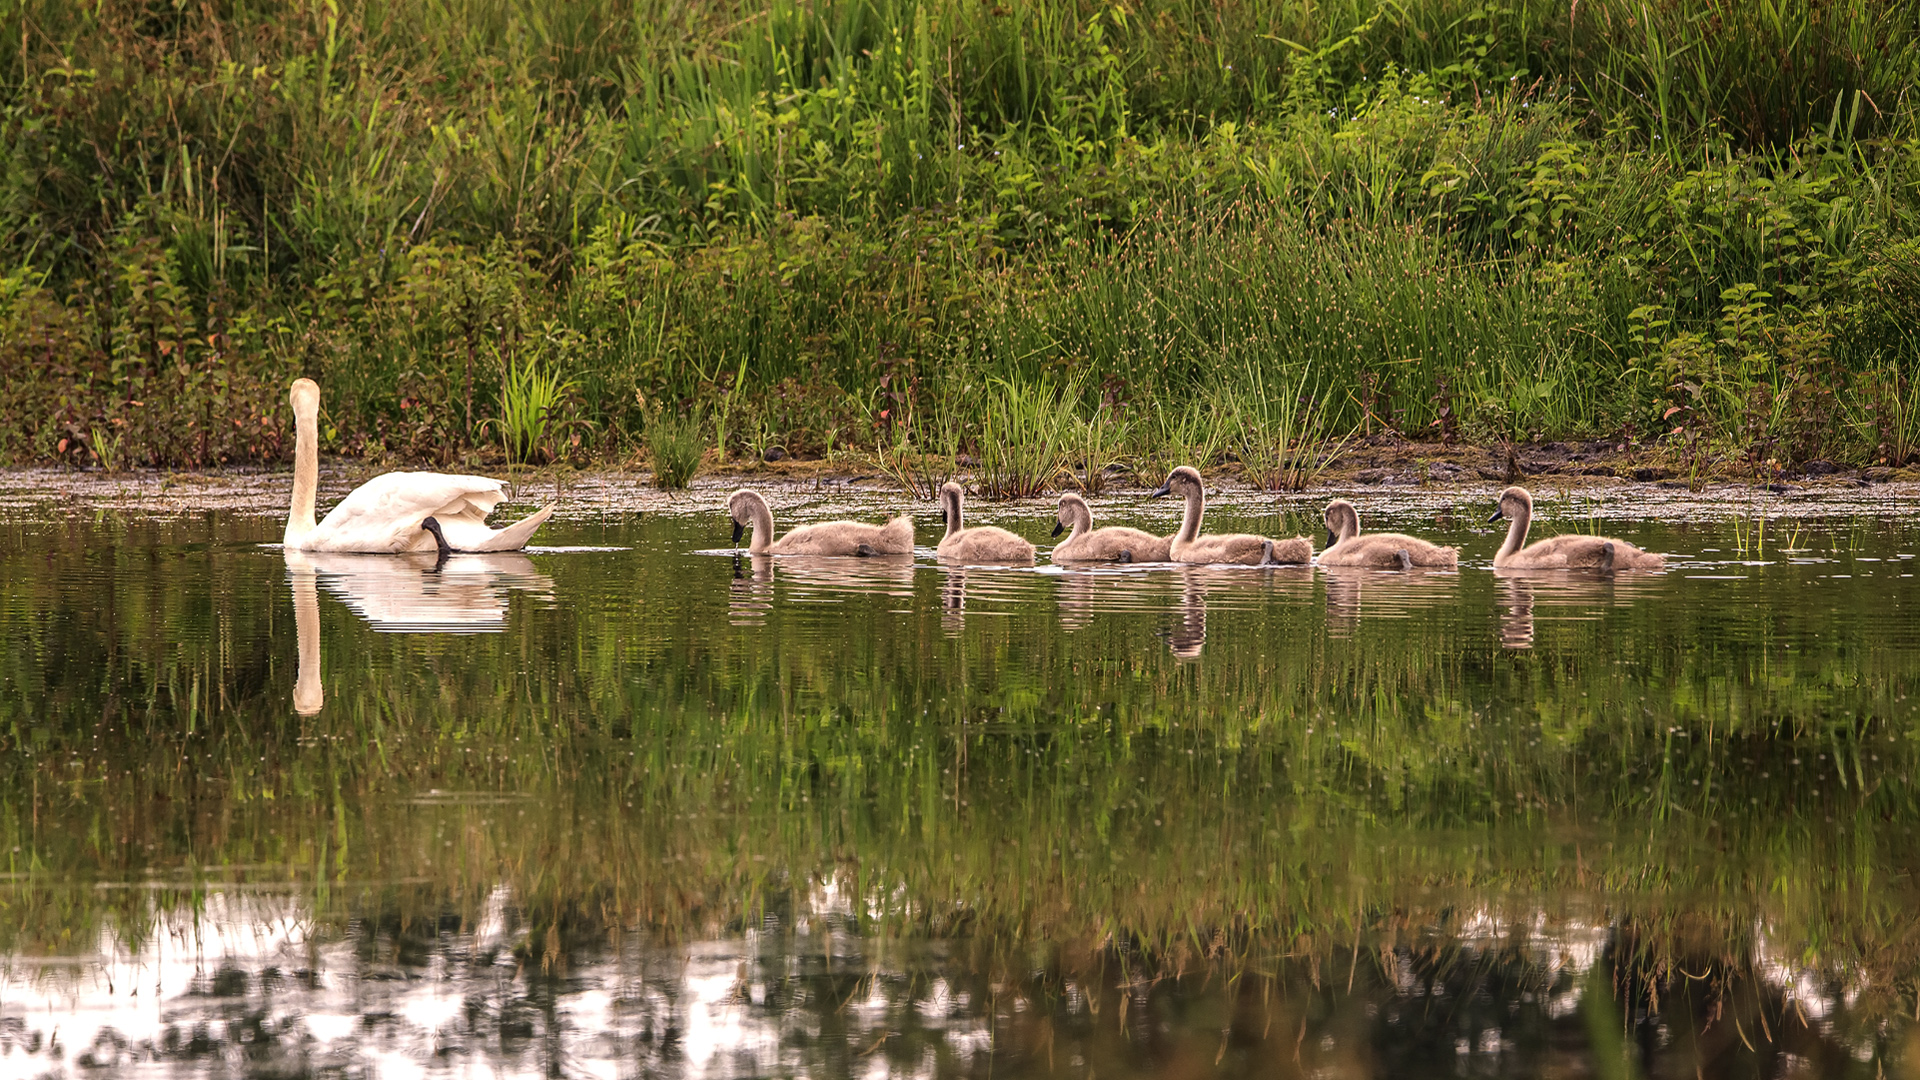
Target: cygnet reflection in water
x,y
1228,589
1353,592
1574,596
813,579
1083,593
419,592
953,601
830,578
750,593
1188,634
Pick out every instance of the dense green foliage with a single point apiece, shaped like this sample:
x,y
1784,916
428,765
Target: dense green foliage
x,y
852,223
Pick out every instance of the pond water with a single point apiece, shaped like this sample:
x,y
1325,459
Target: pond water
x,y
630,805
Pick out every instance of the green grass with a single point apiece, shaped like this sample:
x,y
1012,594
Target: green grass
x,y
676,445
531,396
812,220
1028,430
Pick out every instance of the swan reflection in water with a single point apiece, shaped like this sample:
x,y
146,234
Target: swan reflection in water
x,y
750,593
1228,588
953,600
417,592
1188,634
812,579
1353,592
1578,595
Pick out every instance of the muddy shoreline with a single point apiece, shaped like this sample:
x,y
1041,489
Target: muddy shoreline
x,y
1384,473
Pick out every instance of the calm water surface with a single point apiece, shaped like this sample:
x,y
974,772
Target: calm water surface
x,y
630,806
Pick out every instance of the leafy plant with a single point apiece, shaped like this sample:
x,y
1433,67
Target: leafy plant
x,y
1025,428
1101,433
675,444
105,444
531,396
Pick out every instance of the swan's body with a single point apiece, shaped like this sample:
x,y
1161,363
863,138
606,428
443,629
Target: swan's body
x,y
1245,549
1115,543
1571,551
985,544
384,514
1389,551
749,510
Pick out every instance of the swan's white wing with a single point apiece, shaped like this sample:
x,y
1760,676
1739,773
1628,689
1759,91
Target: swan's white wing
x,y
384,514
474,534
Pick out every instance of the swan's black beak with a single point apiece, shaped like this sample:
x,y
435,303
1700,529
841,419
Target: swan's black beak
x,y
737,530
1331,539
1159,491
1058,528
1497,515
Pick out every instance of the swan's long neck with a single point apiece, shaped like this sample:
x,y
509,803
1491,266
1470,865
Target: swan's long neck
x,y
952,499
306,465
1516,534
1190,522
762,525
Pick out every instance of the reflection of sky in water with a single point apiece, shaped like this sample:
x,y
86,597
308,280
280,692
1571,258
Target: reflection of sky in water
x,y
248,979
248,965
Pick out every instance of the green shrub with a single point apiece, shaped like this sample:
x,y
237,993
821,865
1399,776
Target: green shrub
x,y
676,445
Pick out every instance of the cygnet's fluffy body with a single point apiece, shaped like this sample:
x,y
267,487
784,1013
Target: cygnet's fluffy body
x,y
1570,551
1346,546
1245,549
749,511
1113,543
985,544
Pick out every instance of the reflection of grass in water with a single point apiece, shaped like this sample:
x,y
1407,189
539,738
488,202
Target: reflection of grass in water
x,y
1048,833
1325,790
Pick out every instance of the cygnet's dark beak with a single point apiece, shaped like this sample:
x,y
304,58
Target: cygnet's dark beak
x,y
737,530
1159,491
1331,539
1058,528
1497,515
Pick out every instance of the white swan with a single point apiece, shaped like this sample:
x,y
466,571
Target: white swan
x,y
385,513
